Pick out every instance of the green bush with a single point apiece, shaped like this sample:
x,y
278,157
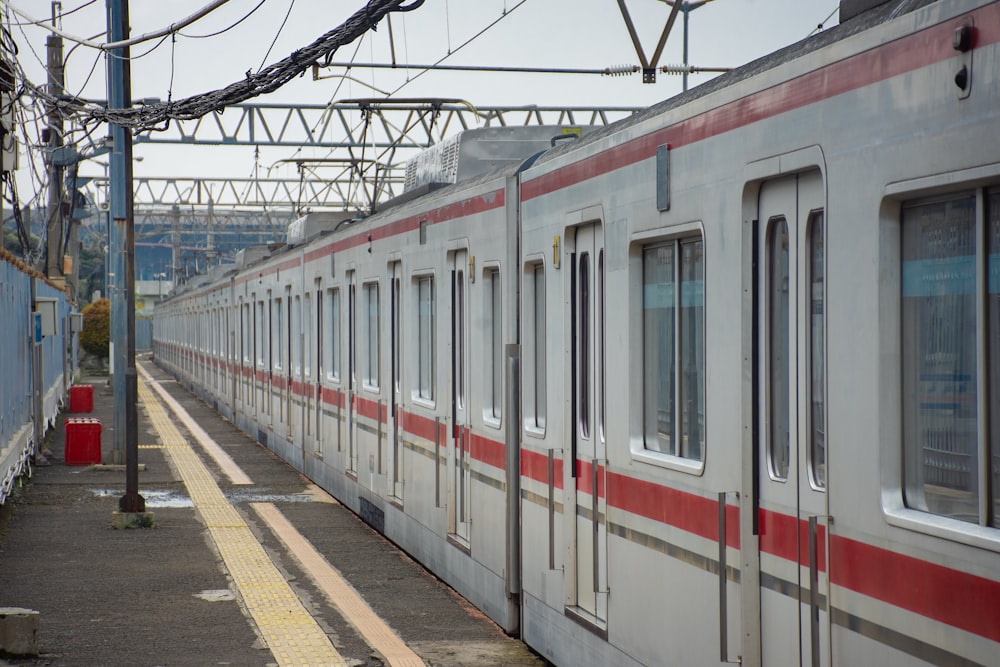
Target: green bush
x,y
96,332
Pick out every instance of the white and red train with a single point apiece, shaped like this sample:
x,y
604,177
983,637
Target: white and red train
x,y
719,382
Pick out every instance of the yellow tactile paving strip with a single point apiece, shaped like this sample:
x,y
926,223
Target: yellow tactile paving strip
x,y
350,605
212,448
289,631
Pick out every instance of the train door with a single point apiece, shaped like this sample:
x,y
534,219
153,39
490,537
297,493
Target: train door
x,y
292,328
395,395
459,453
318,366
587,450
267,325
307,376
278,336
239,352
790,404
352,381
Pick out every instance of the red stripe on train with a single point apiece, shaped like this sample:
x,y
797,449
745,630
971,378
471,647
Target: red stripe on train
x,y
950,596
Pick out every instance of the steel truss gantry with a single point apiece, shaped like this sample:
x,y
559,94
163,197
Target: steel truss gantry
x,y
368,142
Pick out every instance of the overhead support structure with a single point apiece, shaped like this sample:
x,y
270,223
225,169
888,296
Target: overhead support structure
x,y
649,65
368,143
322,186
393,123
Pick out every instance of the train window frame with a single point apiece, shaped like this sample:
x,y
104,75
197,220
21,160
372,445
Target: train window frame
x,y
817,368
371,378
295,363
982,181
417,360
535,353
492,357
332,335
307,334
638,243
277,326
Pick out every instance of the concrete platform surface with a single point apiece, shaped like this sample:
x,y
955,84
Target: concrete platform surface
x,y
221,578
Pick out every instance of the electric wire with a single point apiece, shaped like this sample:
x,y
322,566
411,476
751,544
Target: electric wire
x,y
823,22
462,45
272,77
110,46
226,29
276,35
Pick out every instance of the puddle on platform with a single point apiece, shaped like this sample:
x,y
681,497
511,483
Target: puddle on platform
x,y
217,595
154,499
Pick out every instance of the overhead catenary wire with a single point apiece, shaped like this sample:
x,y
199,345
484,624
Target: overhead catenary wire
x,y
111,46
227,28
274,41
272,77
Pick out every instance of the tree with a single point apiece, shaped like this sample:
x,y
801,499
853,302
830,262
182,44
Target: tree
x,y
96,334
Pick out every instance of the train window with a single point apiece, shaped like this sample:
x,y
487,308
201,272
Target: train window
x,y
993,350
245,326
493,341
277,327
307,335
584,332
602,328
261,344
371,366
674,348
536,419
778,366
817,353
425,337
295,362
951,336
331,332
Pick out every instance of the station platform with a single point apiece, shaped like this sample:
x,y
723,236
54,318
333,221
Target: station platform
x,y
247,562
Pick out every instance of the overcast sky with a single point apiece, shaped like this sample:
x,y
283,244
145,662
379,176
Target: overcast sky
x,y
533,33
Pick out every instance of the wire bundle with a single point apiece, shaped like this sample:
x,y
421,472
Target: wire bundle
x,y
268,79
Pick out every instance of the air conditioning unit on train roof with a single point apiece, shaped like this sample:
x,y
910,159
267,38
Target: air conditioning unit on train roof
x,y
311,225
476,152
247,256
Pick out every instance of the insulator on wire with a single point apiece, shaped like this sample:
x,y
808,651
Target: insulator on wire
x,y
676,69
621,70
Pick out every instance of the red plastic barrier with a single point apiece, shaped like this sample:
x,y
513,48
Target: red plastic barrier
x,y
81,398
83,441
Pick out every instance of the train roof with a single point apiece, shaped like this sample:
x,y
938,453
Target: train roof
x,y
858,23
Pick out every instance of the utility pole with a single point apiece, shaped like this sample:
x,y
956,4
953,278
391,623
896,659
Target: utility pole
x,y
56,83
125,380
175,242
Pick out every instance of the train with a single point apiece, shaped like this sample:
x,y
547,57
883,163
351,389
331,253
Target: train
x,y
716,383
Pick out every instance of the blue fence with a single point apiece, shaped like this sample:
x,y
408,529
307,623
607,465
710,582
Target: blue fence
x,y
58,358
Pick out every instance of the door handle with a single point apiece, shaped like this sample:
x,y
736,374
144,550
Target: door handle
x,y
723,592
813,586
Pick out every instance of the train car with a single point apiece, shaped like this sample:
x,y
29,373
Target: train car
x,y
371,354
716,383
772,307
